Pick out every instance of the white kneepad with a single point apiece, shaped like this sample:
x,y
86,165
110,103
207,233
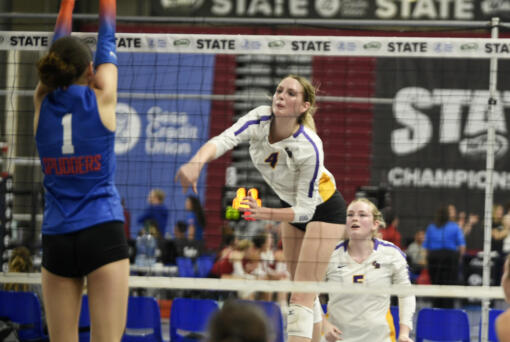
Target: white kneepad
x,y
300,321
317,311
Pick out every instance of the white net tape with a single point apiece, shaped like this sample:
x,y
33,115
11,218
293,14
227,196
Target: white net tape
x,y
210,284
278,45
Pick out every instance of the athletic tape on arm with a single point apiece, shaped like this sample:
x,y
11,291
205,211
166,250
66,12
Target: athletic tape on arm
x,y
106,49
64,22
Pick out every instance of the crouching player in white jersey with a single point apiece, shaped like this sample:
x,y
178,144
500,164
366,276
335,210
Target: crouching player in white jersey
x,y
288,153
363,259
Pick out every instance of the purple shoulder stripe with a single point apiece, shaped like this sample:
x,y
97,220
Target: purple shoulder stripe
x,y
378,242
252,122
343,244
316,171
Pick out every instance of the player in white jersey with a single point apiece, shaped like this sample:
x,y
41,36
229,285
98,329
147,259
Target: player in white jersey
x,y
288,153
363,259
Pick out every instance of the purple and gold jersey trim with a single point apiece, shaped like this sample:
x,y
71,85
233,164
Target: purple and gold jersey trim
x,y
252,122
316,171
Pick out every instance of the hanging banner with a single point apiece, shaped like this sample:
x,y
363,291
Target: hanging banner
x,y
430,143
158,130
336,9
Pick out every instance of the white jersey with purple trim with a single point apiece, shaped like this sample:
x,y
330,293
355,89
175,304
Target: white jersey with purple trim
x,y
363,318
293,167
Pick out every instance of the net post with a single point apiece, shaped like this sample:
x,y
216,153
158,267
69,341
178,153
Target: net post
x,y
489,191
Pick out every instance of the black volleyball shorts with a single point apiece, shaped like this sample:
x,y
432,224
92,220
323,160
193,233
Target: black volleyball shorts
x,y
79,253
334,210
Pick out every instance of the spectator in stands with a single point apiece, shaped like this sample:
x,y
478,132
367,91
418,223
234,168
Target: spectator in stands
x,y
229,242
272,264
238,322
184,246
180,245
445,245
499,233
155,211
147,244
503,320
195,218
19,261
244,259
466,226
391,233
416,253
500,242
242,263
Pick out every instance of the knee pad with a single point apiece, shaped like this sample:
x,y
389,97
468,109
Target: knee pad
x,y
300,321
317,311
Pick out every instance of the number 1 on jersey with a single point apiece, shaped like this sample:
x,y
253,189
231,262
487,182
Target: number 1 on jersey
x,y
67,137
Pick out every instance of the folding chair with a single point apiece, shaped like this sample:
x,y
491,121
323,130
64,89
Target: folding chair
x,y
442,325
185,267
493,314
189,318
143,320
204,265
23,308
274,317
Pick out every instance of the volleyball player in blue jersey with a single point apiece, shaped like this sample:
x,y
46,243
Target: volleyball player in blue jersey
x,y
83,234
287,151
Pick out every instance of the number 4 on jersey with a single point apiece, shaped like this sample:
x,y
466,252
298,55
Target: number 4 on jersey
x,y
272,159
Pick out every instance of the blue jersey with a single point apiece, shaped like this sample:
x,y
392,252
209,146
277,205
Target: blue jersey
x,y
78,161
199,230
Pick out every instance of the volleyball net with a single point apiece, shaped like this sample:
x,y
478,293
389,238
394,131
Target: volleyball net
x,y
404,121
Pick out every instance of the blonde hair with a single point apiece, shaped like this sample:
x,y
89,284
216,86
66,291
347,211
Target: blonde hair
x,y
495,216
376,213
243,245
251,255
159,194
309,95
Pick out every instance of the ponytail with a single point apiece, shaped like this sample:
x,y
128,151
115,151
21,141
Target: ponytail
x,y
55,72
65,63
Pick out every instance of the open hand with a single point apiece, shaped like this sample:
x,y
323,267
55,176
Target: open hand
x,y
331,332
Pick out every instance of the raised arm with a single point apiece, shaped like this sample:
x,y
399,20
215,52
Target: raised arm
x,y
105,63
63,28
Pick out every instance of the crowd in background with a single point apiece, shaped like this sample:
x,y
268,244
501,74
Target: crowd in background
x,y
435,255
